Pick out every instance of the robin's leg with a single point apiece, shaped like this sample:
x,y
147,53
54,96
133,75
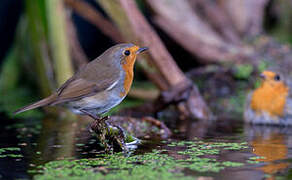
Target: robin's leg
x,y
96,118
93,116
94,124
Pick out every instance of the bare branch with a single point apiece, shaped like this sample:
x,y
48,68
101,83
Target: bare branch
x,y
247,15
207,53
219,20
179,20
161,58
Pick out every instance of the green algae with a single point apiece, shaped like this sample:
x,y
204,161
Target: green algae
x,y
201,145
161,164
254,159
253,162
147,166
8,152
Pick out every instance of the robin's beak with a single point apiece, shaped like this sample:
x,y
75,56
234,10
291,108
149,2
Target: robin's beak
x,y
142,49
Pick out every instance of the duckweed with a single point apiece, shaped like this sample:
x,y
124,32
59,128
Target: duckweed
x,y
158,164
7,152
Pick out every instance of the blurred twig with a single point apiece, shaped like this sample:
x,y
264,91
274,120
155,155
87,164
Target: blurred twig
x,y
178,19
141,93
93,16
247,15
77,53
217,18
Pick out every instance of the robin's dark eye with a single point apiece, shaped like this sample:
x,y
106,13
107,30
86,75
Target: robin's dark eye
x,y
277,78
127,53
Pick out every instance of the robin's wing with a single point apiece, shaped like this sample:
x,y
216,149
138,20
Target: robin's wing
x,y
60,89
80,88
87,83
63,86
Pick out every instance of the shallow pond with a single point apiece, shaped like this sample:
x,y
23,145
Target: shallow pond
x,y
221,151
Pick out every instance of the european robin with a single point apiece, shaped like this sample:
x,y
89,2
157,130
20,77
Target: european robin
x,y
271,102
98,86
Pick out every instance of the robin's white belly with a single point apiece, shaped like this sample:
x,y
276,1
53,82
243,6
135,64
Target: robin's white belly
x,y
97,104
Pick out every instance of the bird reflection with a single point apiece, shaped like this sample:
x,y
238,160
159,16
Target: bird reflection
x,y
270,144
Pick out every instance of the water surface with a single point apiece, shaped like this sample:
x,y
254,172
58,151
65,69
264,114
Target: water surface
x,y
223,151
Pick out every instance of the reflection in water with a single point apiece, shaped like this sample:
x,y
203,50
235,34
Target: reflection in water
x,y
270,144
57,138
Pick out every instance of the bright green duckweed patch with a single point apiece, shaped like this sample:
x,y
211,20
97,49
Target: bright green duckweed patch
x,y
168,163
10,152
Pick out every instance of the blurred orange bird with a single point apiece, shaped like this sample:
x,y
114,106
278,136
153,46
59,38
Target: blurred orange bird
x,y
271,103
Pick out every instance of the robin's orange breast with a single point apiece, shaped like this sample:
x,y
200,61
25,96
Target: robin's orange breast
x,y
128,68
271,99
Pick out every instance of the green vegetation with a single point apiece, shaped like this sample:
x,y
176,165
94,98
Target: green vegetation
x,y
12,92
8,152
158,164
243,71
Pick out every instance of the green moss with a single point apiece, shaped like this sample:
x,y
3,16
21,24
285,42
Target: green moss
x,y
263,65
243,71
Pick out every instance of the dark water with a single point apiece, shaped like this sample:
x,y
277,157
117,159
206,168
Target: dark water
x,y
25,145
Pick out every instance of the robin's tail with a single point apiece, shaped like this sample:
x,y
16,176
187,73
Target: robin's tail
x,y
43,102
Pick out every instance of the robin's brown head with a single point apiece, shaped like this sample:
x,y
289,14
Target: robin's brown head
x,y
130,53
123,54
